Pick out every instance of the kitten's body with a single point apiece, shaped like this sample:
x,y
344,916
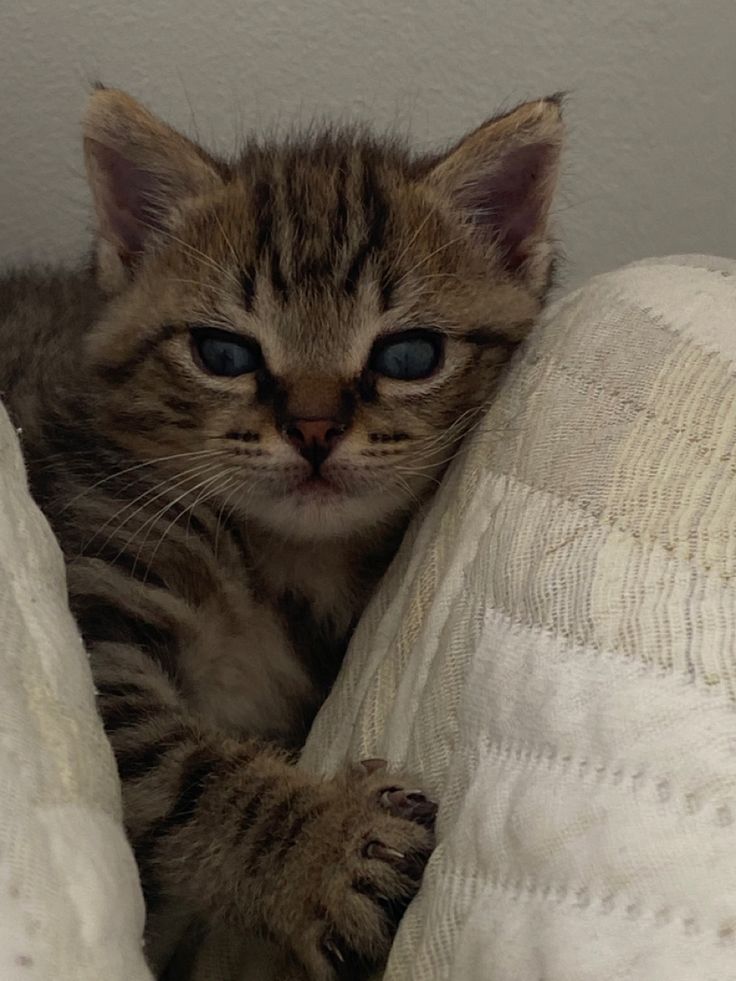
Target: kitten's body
x,y
221,540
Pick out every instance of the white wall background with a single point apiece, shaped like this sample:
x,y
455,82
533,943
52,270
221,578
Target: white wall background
x,y
651,165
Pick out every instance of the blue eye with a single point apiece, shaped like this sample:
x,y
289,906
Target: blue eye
x,y
409,356
224,353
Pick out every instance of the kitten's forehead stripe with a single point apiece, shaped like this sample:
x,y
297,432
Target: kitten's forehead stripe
x,y
248,286
278,280
341,212
295,211
263,216
375,220
386,287
267,243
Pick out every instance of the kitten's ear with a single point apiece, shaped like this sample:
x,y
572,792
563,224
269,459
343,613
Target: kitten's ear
x,y
140,171
502,178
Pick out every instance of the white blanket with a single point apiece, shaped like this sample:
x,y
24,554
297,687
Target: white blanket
x,y
71,908
553,651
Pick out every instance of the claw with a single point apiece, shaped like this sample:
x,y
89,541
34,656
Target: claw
x,y
376,849
412,805
334,950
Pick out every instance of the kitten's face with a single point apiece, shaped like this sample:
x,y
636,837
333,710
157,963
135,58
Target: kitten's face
x,y
306,343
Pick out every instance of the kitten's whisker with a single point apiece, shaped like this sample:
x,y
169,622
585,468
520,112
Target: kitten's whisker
x,y
413,239
151,522
430,255
166,481
146,463
435,459
432,457
220,515
199,499
401,481
229,244
254,482
163,487
224,475
461,444
228,485
406,472
430,450
438,464
434,464
169,481
448,435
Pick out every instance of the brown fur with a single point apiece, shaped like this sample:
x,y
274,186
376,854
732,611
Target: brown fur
x,y
215,595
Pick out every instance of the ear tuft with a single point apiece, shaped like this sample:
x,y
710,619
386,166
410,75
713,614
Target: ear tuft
x,y
141,172
502,178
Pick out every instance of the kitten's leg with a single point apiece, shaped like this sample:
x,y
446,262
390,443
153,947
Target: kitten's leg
x,y
229,830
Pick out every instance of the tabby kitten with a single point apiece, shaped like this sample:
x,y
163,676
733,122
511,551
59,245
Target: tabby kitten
x,y
229,423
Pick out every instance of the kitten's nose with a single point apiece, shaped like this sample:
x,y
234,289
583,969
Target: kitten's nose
x,y
314,438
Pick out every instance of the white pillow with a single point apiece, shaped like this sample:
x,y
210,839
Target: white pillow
x,y
71,908
554,651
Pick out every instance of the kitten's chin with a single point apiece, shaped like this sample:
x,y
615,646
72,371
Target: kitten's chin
x,y
318,513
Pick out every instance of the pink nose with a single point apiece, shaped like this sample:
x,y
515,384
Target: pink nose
x,y
314,438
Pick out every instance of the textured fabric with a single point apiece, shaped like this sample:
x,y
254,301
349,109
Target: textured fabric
x,y
554,653
70,904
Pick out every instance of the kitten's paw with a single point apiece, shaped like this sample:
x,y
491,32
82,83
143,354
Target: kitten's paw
x,y
363,860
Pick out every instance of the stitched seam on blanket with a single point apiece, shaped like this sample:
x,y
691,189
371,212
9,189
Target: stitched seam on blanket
x,y
623,293
470,586
579,897
467,584
662,422
669,262
582,645
629,779
635,537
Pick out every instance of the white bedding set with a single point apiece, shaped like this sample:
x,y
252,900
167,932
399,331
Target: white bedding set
x,y
554,650
70,904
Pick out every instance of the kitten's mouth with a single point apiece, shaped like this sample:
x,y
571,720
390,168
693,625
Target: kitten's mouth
x,y
316,488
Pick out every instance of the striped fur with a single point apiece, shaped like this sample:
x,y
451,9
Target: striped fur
x,y
215,596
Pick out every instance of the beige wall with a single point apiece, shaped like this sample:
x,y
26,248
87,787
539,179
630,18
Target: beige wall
x,y
652,161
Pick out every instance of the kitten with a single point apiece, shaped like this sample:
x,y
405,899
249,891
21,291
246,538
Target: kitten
x,y
229,423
